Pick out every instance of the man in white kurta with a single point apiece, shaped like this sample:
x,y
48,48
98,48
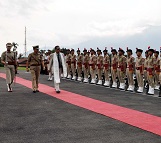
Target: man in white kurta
x,y
58,66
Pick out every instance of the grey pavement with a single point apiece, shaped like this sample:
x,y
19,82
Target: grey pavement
x,y
38,118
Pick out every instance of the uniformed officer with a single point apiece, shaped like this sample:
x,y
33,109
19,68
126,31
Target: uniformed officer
x,y
139,66
92,66
150,71
99,66
130,61
160,75
121,69
114,63
145,69
85,65
106,67
79,64
49,70
34,61
73,64
9,61
157,69
68,63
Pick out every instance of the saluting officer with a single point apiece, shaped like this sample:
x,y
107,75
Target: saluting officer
x,y
121,69
130,61
85,65
150,71
34,61
139,66
106,67
92,66
79,64
157,69
114,63
73,64
9,60
99,66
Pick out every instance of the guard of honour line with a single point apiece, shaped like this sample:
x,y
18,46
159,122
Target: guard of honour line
x,y
115,70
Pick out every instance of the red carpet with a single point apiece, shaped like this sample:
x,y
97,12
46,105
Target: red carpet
x,y
135,118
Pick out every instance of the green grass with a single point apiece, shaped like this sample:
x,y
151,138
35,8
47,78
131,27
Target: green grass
x,y
22,68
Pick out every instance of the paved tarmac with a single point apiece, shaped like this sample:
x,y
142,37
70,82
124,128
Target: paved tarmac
x,y
26,117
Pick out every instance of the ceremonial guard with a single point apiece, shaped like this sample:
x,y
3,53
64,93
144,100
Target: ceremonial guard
x,y
92,66
130,61
85,65
114,64
57,63
9,60
139,66
157,69
34,61
68,64
151,71
99,66
121,69
49,70
145,69
79,64
73,64
106,67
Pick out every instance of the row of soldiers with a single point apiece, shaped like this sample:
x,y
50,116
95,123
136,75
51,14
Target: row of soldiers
x,y
114,68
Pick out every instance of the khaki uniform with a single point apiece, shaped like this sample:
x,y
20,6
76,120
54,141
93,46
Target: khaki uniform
x,y
79,64
35,61
121,69
85,65
145,69
99,66
73,64
139,70
150,71
160,73
130,69
68,64
114,62
10,69
157,71
92,66
106,65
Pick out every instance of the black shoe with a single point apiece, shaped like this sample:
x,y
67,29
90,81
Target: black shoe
x,y
34,91
37,90
57,91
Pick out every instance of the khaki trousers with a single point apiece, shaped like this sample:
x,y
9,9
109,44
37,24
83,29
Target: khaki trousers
x,y
139,78
130,76
150,79
73,69
113,74
79,70
10,73
145,75
156,78
68,69
85,70
99,72
35,73
121,75
92,72
106,74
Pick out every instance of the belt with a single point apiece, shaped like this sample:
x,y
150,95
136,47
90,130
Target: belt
x,y
35,65
138,68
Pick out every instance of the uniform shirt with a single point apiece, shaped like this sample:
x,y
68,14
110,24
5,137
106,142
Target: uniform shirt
x,y
130,61
157,62
121,60
93,59
139,61
79,58
146,63
35,59
8,56
114,59
99,60
73,58
68,58
106,59
151,62
86,59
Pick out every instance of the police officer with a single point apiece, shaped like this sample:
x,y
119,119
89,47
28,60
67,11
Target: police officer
x,y
99,66
121,69
130,61
9,60
85,65
92,66
114,63
68,63
73,64
106,67
34,61
139,66
145,69
157,69
79,64
150,71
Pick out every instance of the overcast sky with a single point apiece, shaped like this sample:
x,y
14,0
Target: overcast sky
x,y
70,22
